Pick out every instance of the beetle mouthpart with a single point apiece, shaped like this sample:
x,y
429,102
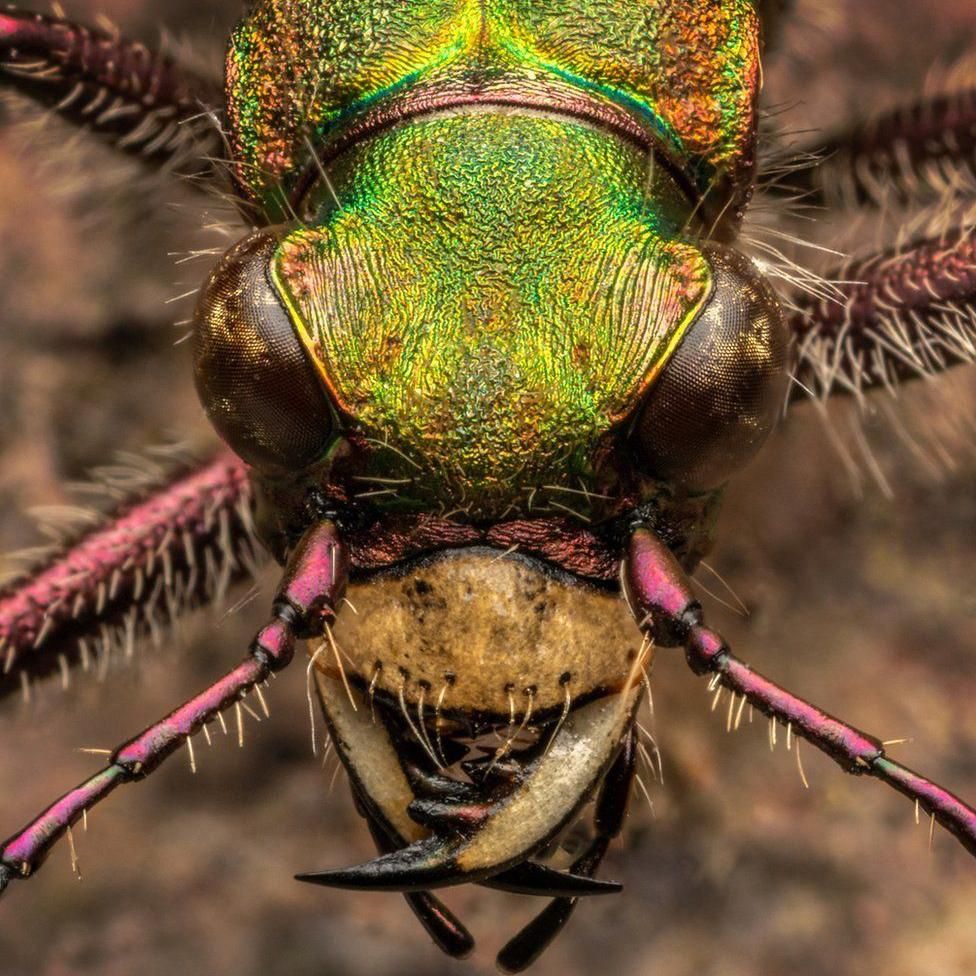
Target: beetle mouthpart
x,y
426,865
487,632
464,840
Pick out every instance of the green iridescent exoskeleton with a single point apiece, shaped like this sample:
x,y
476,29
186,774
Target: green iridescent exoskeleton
x,y
492,211
493,326
298,69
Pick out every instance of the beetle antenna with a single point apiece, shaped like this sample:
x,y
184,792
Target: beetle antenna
x,y
663,603
310,590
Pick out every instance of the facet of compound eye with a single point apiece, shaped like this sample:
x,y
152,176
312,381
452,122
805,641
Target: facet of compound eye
x,y
252,372
719,395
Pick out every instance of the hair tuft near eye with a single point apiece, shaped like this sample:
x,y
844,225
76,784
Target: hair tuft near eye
x,y
719,395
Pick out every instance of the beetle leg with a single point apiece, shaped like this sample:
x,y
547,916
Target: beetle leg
x,y
906,313
912,154
141,101
189,536
312,586
666,609
611,810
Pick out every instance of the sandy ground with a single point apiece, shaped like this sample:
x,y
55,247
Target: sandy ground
x,y
861,601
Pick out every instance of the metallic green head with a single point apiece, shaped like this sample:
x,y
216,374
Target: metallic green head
x,y
491,294
488,246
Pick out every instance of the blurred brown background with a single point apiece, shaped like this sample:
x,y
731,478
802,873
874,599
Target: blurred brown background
x,y
864,603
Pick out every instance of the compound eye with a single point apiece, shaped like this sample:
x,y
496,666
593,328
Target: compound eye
x,y
719,395
252,373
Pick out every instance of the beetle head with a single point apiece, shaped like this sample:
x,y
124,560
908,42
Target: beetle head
x,y
489,325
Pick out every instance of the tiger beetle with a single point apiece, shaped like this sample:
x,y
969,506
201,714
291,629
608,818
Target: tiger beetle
x,y
485,359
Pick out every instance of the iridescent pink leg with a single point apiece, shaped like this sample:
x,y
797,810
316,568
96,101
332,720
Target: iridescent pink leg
x,y
172,548
905,313
313,583
913,153
143,103
667,611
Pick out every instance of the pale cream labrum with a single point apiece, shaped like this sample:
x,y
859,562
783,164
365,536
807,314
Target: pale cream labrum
x,y
486,632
